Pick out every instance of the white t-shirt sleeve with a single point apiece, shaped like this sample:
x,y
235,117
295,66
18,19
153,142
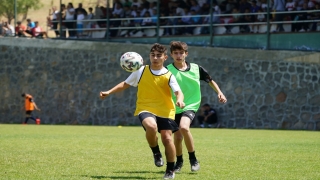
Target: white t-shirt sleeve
x,y
134,77
174,84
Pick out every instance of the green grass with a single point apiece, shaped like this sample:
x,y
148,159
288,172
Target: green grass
x,y
103,152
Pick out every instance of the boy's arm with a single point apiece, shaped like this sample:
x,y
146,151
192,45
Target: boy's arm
x,y
35,106
216,88
207,116
180,98
120,87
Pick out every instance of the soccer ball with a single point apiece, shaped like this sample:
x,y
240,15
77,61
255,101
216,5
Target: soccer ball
x,y
131,61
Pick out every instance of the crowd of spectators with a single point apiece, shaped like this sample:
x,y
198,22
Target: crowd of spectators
x,y
182,15
31,29
197,12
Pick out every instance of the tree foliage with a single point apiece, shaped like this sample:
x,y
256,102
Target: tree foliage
x,y
23,7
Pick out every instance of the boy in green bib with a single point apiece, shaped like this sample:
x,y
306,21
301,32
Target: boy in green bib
x,y
188,76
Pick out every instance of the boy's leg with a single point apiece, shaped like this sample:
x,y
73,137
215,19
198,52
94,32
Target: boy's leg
x,y
201,119
26,120
188,139
149,124
170,151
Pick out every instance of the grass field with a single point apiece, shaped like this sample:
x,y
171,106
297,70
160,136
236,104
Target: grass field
x,y
104,152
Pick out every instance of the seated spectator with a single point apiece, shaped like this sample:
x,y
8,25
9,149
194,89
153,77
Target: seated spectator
x,y
136,3
204,6
21,30
165,22
147,20
229,6
315,16
243,5
259,18
236,18
254,7
118,10
152,7
264,5
37,31
135,23
208,116
127,11
311,4
195,6
7,29
30,26
184,20
215,19
301,16
247,18
114,24
127,3
146,3
291,6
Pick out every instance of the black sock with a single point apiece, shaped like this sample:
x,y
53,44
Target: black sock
x,y
155,149
192,155
25,121
179,159
170,166
33,118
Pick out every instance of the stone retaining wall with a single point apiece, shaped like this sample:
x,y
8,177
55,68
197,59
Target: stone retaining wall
x,y
265,89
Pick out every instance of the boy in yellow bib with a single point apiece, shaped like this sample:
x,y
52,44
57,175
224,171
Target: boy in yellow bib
x,y
155,107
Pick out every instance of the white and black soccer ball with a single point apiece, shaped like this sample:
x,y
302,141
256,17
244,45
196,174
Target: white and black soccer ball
x,y
131,61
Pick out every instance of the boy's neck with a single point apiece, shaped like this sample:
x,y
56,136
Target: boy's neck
x,y
181,66
153,67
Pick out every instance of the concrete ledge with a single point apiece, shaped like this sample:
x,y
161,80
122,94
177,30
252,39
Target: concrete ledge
x,y
223,53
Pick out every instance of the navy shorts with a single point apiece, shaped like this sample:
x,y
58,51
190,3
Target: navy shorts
x,y
189,113
162,123
28,112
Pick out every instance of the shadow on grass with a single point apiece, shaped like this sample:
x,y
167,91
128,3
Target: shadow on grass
x,y
127,177
139,172
117,177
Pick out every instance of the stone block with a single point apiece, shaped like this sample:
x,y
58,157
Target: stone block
x,y
281,97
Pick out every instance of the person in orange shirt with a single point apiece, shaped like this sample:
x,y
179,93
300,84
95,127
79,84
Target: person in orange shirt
x,y
21,30
30,105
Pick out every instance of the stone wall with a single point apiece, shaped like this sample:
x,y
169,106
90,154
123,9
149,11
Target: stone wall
x,y
265,89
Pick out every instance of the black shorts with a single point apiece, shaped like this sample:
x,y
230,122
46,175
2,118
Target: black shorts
x,y
189,113
28,112
162,123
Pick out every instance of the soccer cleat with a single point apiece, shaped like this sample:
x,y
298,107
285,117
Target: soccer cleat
x,y
195,166
158,159
169,175
178,166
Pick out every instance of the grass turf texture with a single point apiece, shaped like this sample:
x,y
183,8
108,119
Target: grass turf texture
x,y
104,152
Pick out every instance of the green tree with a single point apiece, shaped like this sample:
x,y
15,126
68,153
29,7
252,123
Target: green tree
x,y
23,7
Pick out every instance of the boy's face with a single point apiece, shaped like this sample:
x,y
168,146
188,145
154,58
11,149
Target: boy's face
x,y
179,56
157,59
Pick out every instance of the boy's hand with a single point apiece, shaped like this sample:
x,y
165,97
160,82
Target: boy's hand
x,y
103,94
180,104
222,98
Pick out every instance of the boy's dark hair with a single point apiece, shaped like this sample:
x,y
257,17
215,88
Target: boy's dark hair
x,y
206,105
23,94
178,45
158,47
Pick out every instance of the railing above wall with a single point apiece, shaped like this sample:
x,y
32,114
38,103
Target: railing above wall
x,y
221,33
